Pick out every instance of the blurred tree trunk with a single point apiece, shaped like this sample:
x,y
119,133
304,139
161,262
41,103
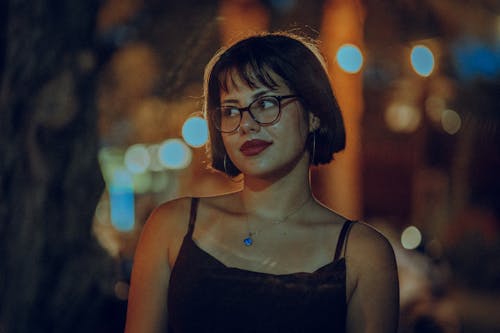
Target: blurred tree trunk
x,y
54,277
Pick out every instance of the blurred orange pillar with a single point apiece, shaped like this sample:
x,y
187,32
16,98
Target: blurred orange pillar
x,y
239,18
338,184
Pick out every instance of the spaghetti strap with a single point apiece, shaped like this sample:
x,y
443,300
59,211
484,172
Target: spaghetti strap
x,y
342,238
192,215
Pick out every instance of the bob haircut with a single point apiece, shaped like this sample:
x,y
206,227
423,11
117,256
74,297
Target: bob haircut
x,y
299,63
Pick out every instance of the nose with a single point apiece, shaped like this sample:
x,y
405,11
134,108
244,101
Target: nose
x,y
248,124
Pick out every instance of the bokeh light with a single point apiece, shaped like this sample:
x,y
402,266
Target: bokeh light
x,y
476,59
109,160
161,181
434,107
121,290
155,164
451,121
349,58
143,182
195,131
283,5
174,154
411,238
137,158
422,60
121,198
402,118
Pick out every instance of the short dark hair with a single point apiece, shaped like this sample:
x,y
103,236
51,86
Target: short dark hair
x,y
298,62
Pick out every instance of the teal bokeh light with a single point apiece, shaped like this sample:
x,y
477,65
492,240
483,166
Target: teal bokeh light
x,y
195,131
122,201
349,58
174,154
422,60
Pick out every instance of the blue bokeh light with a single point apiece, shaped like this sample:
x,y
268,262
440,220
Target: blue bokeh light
x,y
174,154
122,201
475,59
422,60
349,58
195,131
283,5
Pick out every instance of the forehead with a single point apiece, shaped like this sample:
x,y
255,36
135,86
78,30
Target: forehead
x,y
234,79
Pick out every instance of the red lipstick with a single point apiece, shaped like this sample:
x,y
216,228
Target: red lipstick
x,y
254,147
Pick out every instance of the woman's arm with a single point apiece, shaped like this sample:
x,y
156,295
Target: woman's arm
x,y
147,301
373,282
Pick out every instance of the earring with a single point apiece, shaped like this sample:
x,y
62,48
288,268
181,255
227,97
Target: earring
x,y
313,155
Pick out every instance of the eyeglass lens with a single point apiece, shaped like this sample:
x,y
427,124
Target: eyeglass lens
x,y
264,110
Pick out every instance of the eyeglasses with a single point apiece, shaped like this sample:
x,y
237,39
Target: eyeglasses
x,y
264,110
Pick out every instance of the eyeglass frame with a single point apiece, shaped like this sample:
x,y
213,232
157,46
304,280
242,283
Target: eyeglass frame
x,y
279,98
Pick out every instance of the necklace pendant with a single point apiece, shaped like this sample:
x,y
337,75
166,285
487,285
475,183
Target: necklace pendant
x,y
248,241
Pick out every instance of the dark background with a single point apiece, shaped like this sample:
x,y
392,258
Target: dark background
x,y
80,76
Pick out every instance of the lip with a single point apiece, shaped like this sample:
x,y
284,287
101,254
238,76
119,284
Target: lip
x,y
254,147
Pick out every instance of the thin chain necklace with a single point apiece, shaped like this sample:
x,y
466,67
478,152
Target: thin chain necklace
x,y
248,241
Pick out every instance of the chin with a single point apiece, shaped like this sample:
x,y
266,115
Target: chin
x,y
275,171
266,167
257,171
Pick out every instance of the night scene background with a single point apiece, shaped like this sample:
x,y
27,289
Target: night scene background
x,y
100,121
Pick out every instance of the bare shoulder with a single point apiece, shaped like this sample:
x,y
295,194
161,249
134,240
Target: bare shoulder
x,y
170,216
372,280
367,237
367,249
165,224
151,272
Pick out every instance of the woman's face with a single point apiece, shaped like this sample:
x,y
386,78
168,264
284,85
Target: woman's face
x,y
265,150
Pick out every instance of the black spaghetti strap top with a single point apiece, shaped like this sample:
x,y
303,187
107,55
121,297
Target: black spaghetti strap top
x,y
207,296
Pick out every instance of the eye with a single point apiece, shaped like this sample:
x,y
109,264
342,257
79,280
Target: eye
x,y
229,111
266,103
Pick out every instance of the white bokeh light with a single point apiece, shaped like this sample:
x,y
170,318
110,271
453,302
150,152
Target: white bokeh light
x,y
411,238
451,121
155,164
402,118
137,158
434,107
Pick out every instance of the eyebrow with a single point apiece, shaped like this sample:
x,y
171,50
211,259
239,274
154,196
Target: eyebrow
x,y
254,96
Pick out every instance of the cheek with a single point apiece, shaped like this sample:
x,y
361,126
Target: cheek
x,y
224,142
303,129
298,127
229,142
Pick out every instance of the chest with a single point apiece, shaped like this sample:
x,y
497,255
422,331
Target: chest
x,y
206,295
280,249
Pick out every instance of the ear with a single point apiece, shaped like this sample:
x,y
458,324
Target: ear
x,y
314,122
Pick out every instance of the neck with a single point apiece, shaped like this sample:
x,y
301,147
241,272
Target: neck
x,y
275,197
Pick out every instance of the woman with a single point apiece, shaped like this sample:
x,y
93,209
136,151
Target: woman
x,y
268,258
